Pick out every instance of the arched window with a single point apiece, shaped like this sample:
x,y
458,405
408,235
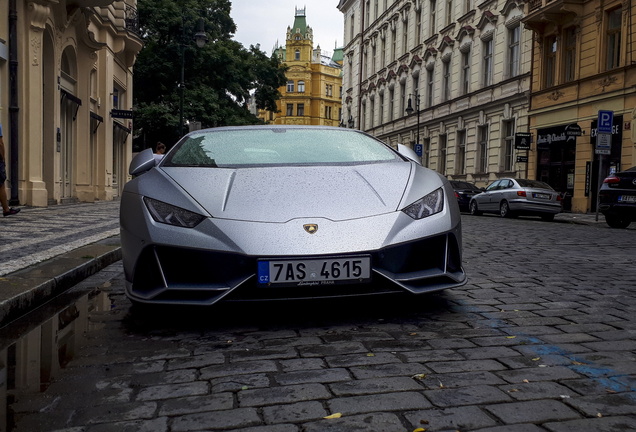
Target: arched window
x,y
301,86
297,55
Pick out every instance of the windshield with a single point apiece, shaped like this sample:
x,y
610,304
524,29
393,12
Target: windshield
x,y
533,184
277,146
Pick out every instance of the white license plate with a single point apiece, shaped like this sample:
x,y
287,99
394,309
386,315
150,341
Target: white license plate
x,y
327,271
541,196
627,198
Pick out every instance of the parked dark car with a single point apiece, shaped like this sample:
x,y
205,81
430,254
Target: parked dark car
x,y
464,191
510,197
617,198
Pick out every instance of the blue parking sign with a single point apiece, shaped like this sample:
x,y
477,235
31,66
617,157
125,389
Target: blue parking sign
x,y
605,121
418,149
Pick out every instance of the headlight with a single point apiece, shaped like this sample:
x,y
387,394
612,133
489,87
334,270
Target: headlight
x,y
172,215
427,206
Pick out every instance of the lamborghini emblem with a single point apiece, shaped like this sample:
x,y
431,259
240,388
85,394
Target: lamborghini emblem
x,y
311,228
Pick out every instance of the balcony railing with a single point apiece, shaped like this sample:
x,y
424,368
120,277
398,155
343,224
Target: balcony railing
x,y
132,19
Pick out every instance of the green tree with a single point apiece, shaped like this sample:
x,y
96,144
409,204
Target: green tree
x,y
219,77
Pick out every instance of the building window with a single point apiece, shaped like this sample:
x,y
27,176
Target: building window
x,y
482,149
430,85
508,145
403,99
468,6
446,87
569,62
329,89
460,160
375,9
431,16
441,163
418,27
487,62
290,109
383,55
301,86
290,86
466,72
297,55
405,35
367,7
391,104
381,108
449,12
300,110
513,51
426,150
549,70
372,119
614,38
393,43
328,112
352,25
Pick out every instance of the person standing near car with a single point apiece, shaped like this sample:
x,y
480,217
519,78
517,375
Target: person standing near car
x,y
6,210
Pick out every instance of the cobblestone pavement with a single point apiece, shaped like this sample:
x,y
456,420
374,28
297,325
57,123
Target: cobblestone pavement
x,y
542,338
37,234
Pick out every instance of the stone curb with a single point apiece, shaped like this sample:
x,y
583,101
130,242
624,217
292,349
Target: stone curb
x,y
26,289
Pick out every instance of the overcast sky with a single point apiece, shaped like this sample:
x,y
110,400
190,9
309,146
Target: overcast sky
x,y
265,21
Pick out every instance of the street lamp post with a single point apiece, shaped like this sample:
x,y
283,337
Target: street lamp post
x,y
201,39
409,111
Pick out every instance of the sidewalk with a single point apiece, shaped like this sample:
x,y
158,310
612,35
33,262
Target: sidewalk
x,y
48,250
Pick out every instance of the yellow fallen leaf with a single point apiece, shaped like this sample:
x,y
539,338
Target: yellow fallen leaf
x,y
370,355
413,334
526,381
419,376
510,337
536,359
334,416
599,415
419,430
513,390
577,363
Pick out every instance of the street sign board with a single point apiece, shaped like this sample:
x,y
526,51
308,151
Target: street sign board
x,y
605,121
602,151
604,141
418,149
522,159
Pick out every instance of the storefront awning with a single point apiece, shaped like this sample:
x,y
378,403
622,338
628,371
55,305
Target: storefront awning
x,y
77,101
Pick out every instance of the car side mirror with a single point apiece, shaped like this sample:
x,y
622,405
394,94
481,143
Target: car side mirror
x,y
143,162
409,153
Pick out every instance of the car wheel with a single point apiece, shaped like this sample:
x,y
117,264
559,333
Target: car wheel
x,y
504,210
473,209
547,217
617,221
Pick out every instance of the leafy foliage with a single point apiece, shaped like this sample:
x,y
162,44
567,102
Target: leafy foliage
x,y
219,77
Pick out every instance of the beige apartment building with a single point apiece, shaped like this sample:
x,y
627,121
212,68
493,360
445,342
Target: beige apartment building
x,y
66,98
313,93
583,62
449,77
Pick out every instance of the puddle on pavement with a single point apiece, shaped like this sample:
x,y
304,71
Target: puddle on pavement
x,y
36,347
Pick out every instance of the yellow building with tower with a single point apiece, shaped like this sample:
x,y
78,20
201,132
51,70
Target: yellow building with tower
x,y
313,93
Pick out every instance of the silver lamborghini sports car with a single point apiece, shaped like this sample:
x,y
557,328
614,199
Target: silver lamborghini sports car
x,y
286,212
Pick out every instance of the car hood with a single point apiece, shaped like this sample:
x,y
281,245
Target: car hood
x,y
279,194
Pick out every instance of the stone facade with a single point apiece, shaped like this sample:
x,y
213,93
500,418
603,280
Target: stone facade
x,y
583,62
66,99
313,94
451,76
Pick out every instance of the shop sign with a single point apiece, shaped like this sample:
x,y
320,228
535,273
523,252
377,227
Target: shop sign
x,y
522,158
523,140
556,134
116,113
573,130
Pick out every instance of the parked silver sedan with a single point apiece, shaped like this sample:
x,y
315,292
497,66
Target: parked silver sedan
x,y
510,197
286,212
